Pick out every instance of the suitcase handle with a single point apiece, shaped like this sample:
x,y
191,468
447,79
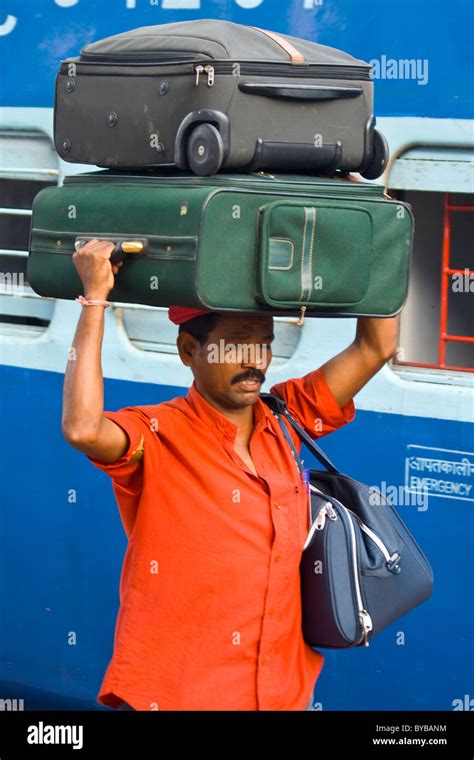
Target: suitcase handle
x,y
288,156
288,91
122,247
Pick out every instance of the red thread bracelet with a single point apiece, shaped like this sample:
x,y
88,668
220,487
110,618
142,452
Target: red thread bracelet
x,y
92,302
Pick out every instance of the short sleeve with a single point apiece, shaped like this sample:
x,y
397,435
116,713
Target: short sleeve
x,y
136,426
310,400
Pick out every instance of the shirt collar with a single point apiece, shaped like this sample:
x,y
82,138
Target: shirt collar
x,y
263,416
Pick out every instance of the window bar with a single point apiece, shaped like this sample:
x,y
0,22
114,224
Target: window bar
x,y
446,272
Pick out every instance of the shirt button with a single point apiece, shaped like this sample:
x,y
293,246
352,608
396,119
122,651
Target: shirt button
x,y
277,506
277,557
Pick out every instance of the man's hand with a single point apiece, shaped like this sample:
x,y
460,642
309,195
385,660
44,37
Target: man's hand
x,y
375,343
93,265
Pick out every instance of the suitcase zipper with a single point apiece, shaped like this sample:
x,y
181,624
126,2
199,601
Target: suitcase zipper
x,y
156,57
311,70
364,618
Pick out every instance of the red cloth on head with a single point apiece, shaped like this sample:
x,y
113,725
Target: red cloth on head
x,y
180,314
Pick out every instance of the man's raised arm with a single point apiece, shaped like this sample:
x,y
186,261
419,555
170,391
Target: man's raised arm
x,y
374,344
83,423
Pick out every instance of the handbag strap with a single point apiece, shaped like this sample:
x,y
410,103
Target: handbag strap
x,y
278,406
290,441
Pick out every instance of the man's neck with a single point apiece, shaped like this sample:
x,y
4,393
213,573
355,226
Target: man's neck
x,y
242,418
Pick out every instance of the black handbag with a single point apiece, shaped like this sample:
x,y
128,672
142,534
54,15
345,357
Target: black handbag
x,y
361,568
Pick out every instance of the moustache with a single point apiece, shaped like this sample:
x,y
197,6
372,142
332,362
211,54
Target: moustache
x,y
251,375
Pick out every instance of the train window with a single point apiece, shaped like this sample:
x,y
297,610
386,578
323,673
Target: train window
x,y
149,329
28,163
436,330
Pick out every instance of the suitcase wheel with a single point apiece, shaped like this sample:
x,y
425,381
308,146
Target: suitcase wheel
x,y
378,161
205,150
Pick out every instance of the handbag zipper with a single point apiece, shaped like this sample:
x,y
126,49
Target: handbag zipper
x,y
326,510
364,617
390,559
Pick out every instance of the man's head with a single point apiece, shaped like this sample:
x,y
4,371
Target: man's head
x,y
223,350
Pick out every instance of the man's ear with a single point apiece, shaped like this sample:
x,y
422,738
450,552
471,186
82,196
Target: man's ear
x,y
186,344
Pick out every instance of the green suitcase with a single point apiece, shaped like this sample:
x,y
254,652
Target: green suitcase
x,y
248,243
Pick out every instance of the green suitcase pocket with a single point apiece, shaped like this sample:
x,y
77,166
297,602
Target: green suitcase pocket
x,y
313,253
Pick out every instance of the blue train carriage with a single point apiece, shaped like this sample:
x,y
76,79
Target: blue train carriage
x,y
62,540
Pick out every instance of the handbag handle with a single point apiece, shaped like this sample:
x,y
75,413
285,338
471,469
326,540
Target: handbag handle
x,y
278,406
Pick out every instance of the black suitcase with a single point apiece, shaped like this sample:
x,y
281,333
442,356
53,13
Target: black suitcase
x,y
207,95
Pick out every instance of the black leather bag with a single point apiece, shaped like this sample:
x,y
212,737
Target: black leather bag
x,y
361,569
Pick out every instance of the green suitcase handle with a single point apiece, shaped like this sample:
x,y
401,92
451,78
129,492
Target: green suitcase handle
x,y
122,247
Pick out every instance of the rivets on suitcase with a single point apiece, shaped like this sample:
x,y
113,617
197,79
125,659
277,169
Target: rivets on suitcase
x,y
66,146
70,84
112,119
164,87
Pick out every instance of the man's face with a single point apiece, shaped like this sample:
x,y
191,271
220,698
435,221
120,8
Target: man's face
x,y
238,349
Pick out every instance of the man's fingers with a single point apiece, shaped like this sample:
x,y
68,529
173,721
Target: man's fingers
x,y
98,245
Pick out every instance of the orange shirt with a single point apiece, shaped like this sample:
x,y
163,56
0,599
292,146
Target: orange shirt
x,y
210,605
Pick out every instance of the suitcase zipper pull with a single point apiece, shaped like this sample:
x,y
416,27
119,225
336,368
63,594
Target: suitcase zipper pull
x,y
210,75
198,70
209,71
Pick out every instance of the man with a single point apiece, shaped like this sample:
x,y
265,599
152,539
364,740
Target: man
x,y
212,504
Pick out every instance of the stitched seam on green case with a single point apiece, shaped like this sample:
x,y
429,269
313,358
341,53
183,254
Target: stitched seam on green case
x,y
302,250
313,227
306,261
